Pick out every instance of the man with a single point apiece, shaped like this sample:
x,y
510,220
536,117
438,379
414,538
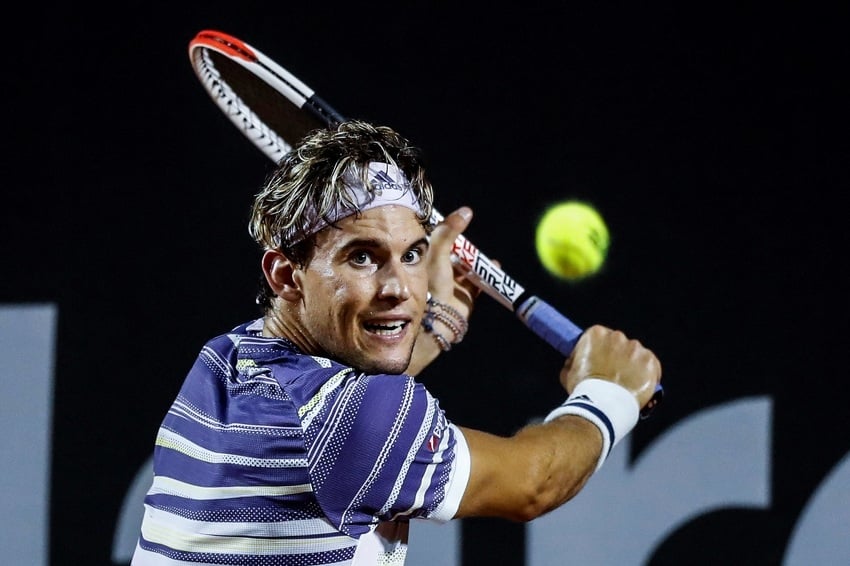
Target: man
x,y
303,438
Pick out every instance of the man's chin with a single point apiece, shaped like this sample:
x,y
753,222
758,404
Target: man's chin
x,y
387,366
389,360
383,364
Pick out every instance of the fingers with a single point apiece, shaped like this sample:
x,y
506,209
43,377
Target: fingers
x,y
609,354
447,231
447,282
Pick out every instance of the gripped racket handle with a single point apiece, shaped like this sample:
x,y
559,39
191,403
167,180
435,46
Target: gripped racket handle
x,y
562,334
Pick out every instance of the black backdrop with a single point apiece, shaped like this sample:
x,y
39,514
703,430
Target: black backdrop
x,y
709,138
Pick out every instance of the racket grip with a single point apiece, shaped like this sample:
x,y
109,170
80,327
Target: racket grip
x,y
554,328
562,334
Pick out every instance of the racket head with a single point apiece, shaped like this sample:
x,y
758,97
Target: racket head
x,y
267,103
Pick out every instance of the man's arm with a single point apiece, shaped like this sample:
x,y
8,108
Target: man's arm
x,y
543,466
529,474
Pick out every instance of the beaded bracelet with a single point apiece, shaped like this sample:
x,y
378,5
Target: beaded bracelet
x,y
450,317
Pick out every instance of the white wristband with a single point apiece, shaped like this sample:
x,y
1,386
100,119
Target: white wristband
x,y
611,407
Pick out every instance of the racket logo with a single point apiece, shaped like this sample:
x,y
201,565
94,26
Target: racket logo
x,y
472,260
496,278
465,252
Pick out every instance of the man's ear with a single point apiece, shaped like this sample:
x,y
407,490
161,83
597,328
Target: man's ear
x,y
279,271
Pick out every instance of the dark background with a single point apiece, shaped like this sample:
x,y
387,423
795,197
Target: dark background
x,y
710,138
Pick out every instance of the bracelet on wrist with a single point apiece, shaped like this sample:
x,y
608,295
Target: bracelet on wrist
x,y
451,319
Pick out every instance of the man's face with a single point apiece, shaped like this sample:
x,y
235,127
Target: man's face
x,y
365,288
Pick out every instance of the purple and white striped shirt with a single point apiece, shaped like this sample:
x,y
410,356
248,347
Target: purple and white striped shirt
x,y
270,456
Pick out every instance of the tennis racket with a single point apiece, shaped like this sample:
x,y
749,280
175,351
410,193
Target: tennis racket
x,y
274,110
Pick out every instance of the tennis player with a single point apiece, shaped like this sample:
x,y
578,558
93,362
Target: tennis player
x,y
304,438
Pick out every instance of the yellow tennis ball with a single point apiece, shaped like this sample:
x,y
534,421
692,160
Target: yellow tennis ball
x,y
572,240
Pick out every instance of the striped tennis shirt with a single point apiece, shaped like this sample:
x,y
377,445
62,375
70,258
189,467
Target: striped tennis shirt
x,y
271,456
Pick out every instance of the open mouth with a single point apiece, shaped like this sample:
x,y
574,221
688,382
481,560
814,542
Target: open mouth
x,y
389,328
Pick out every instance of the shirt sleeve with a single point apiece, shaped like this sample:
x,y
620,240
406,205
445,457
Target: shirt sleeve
x,y
458,479
380,448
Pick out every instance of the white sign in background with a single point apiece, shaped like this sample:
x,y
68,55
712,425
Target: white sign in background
x,y
27,358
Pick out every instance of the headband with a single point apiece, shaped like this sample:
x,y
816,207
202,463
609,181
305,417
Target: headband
x,y
388,186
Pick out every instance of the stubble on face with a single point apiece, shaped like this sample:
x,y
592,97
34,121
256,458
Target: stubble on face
x,y
365,288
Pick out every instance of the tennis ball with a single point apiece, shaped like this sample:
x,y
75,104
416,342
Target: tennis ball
x,y
572,240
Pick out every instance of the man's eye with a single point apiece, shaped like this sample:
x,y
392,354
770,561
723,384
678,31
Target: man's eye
x,y
361,258
412,256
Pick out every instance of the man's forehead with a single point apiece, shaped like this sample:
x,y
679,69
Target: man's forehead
x,y
384,223
386,186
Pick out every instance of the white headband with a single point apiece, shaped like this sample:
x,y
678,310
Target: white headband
x,y
388,186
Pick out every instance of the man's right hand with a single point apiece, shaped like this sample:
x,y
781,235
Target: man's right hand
x,y
607,354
